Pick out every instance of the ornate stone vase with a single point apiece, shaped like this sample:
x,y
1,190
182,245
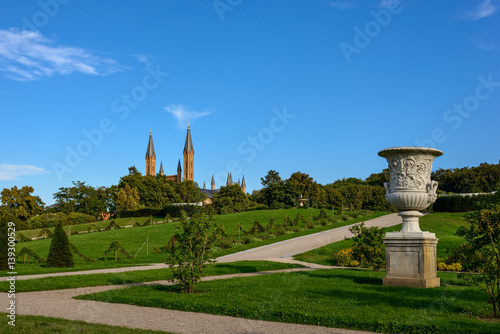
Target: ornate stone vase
x,y
410,188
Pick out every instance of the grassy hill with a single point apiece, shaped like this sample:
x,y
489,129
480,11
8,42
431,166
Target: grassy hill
x,y
443,224
132,239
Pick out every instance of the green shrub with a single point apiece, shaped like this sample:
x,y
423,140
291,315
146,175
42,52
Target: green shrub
x,y
4,244
60,254
368,246
459,203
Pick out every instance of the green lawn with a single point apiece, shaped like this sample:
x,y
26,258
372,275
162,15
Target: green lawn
x,y
345,298
78,281
96,225
44,325
94,244
441,223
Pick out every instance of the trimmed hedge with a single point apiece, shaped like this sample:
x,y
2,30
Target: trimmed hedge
x,y
171,210
459,203
60,254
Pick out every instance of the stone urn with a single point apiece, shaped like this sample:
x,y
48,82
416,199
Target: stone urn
x,y
410,188
410,255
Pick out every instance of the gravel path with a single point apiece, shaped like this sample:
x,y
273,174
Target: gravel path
x,y
60,303
291,247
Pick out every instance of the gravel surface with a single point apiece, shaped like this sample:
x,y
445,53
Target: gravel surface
x,y
60,303
291,247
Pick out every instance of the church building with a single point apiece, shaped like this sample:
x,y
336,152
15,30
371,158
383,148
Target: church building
x,y
188,163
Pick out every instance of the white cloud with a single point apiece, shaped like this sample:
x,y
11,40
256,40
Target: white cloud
x,y
485,8
28,55
13,172
183,115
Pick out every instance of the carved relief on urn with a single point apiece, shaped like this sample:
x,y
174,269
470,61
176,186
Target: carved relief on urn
x,y
410,188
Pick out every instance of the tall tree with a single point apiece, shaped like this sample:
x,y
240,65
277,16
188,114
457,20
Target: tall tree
x,y
82,198
127,199
189,192
230,199
21,203
302,184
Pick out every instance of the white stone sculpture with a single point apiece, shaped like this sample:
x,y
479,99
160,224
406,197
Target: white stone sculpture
x,y
410,188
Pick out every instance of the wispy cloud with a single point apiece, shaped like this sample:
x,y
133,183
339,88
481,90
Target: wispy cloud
x,y
343,5
28,55
14,172
485,8
183,115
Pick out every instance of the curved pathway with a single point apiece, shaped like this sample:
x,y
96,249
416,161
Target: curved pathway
x,y
289,248
60,303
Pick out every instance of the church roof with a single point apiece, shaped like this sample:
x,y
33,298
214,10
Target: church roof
x,y
210,193
188,146
151,148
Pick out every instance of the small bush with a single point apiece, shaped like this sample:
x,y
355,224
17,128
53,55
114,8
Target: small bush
x,y
60,254
451,267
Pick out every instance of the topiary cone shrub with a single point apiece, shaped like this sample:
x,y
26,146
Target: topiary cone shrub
x,y
60,254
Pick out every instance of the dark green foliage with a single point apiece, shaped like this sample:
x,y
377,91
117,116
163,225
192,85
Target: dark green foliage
x,y
286,222
458,203
270,225
26,253
22,238
77,252
368,246
256,228
298,219
4,243
118,250
230,199
191,253
45,233
82,198
483,178
112,226
60,254
172,210
47,220
483,240
322,214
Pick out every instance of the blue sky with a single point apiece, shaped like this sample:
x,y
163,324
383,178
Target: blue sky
x,y
313,86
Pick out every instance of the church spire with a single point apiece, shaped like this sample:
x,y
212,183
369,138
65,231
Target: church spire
x,y
212,185
188,155
161,169
243,185
150,155
188,146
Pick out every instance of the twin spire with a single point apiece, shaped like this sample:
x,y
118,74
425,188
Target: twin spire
x,y
188,160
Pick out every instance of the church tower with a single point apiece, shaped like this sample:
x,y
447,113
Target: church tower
x,y
179,172
243,185
151,156
188,157
212,185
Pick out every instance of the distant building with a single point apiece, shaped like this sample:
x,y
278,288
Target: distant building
x,y
188,157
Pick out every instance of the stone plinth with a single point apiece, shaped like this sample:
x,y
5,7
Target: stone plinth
x,y
411,259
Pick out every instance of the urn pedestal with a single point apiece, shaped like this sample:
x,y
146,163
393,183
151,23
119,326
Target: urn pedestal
x,y
410,254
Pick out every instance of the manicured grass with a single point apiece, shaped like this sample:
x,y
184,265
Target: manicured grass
x,y
94,244
41,325
78,281
346,298
96,225
444,225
